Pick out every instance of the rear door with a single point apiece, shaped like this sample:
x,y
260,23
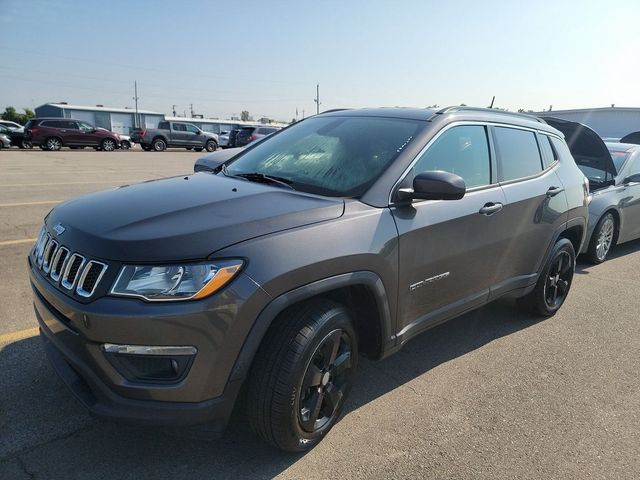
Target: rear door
x,y
449,249
536,205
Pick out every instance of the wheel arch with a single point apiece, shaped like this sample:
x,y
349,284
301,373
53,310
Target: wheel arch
x,y
363,293
617,218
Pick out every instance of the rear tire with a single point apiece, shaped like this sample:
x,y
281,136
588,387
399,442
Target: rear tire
x,y
53,144
302,375
146,148
159,145
603,239
554,282
198,149
125,145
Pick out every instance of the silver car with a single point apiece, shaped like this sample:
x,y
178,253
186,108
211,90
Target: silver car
x,y
613,170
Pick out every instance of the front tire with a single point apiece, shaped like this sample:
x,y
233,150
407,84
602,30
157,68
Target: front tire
x,y
211,146
554,283
108,145
302,375
125,145
602,239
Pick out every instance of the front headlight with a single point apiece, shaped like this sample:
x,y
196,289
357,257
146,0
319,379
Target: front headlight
x,y
174,282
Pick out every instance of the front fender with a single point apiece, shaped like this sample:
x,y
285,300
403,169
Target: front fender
x,y
279,304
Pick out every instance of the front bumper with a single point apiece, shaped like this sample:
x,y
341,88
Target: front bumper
x,y
73,334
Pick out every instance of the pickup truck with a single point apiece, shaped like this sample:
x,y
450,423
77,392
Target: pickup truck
x,y
174,134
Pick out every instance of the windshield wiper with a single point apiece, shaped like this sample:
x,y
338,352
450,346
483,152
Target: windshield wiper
x,y
258,177
261,177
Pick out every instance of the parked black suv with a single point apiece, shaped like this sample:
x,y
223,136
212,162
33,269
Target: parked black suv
x,y
347,233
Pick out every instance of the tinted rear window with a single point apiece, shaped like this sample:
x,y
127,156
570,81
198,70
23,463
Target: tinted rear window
x,y
548,153
518,153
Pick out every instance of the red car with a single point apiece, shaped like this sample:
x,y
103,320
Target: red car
x,y
55,133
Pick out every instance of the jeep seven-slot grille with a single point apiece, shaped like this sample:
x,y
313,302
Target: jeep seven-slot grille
x,y
71,271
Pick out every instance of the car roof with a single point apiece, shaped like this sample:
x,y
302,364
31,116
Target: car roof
x,y
622,147
461,112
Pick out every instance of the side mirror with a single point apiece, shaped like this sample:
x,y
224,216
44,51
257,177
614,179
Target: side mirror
x,y
635,178
434,185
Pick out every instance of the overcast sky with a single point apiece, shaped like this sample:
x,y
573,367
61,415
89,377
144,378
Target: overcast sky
x,y
267,56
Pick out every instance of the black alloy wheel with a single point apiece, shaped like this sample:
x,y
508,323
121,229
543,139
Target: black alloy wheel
x,y
558,280
302,374
554,282
325,381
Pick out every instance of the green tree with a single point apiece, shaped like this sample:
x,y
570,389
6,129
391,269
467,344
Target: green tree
x,y
10,114
244,116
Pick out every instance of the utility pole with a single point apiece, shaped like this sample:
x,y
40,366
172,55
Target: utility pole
x,y
173,107
191,105
317,99
135,97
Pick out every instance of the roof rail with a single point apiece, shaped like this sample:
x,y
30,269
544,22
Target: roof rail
x,y
486,110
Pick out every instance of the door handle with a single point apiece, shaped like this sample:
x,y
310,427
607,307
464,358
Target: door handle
x,y
490,208
553,191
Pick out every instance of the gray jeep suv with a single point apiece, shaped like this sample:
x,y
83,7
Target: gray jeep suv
x,y
347,233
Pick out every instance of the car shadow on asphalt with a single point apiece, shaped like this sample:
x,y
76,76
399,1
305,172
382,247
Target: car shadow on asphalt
x,y
239,454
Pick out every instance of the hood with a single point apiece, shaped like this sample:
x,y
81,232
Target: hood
x,y
587,148
183,218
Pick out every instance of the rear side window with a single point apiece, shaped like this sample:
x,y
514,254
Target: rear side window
x,y
179,127
462,150
163,126
518,153
548,153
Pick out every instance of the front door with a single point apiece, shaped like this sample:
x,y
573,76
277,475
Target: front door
x,y
630,201
449,248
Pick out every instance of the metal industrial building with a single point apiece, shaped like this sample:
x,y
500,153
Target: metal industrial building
x,y
611,122
119,120
122,120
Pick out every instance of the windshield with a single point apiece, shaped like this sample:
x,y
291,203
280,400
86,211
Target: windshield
x,y
334,156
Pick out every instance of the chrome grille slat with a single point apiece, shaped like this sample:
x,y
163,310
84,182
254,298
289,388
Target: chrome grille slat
x,y
66,282
58,263
69,270
40,256
86,286
49,253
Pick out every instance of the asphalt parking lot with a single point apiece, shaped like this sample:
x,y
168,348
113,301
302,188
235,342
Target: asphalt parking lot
x,y
493,394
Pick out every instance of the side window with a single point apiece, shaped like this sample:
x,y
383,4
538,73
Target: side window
x,y
191,129
52,124
179,127
85,126
548,153
518,153
634,169
163,126
462,150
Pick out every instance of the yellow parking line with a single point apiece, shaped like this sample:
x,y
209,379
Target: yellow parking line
x,y
44,202
20,335
17,242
